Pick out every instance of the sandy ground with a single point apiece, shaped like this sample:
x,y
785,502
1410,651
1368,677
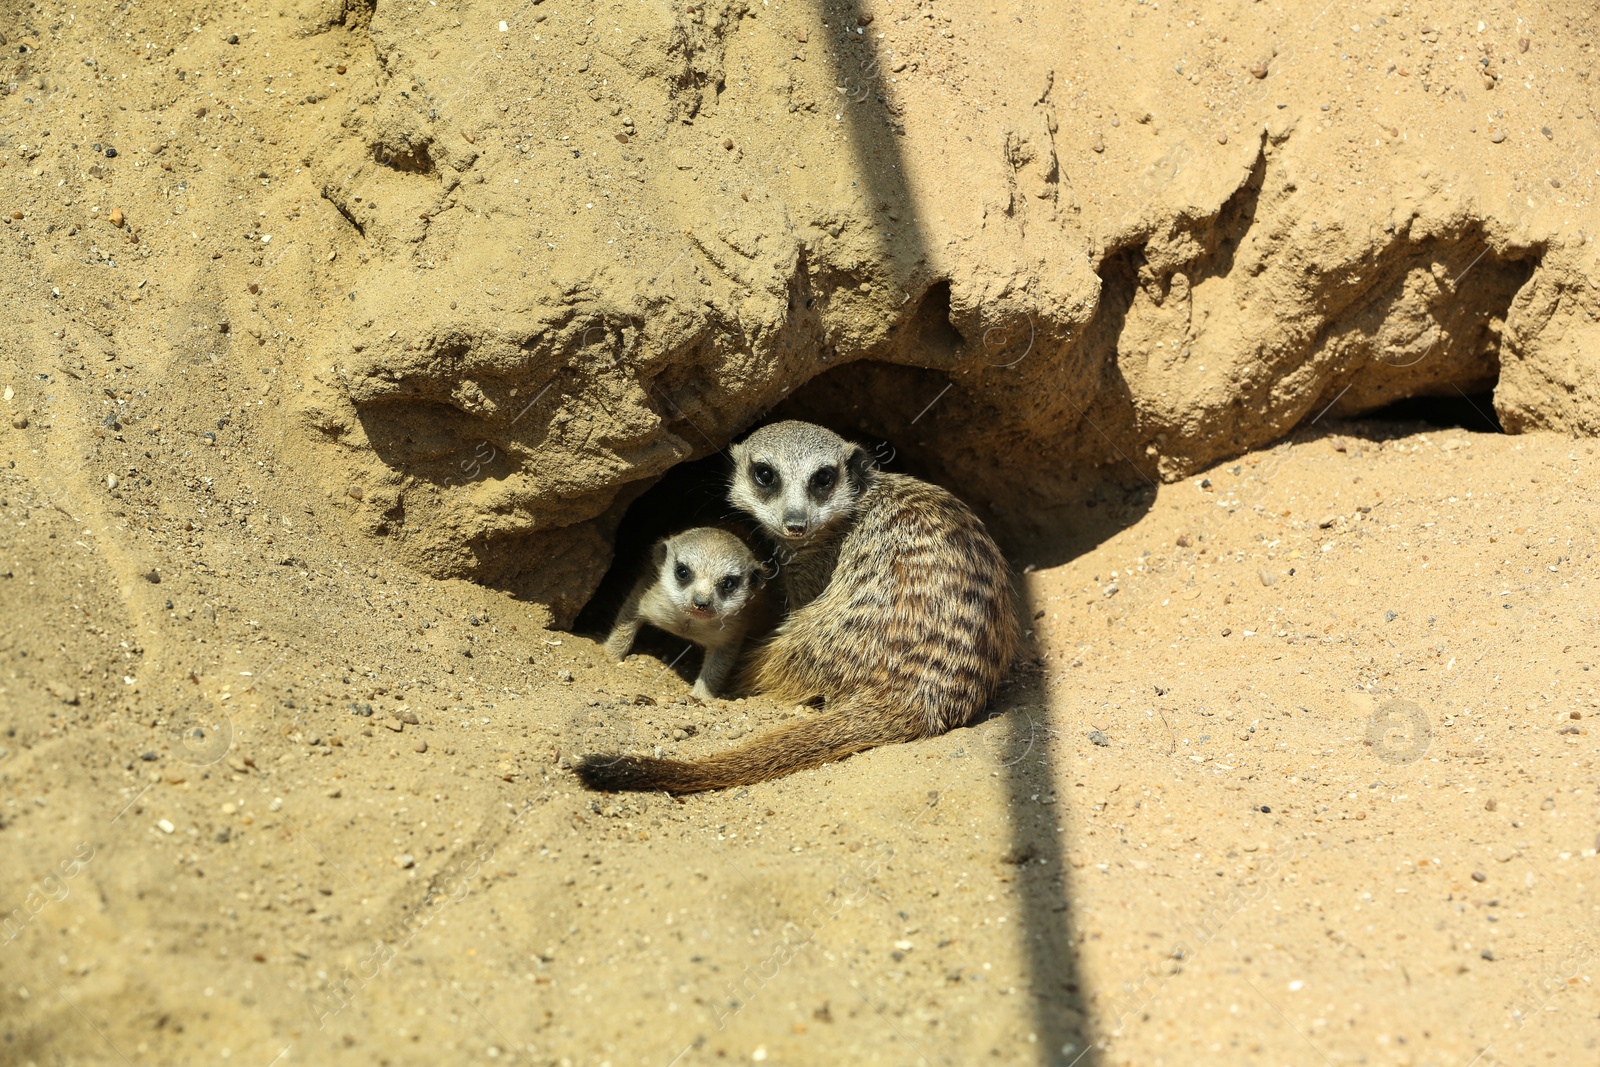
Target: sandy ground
x,y
1303,770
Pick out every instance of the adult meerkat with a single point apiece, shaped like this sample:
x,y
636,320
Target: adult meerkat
x,y
902,619
703,585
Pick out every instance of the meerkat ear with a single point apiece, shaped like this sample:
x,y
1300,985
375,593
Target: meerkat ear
x,y
858,463
763,573
658,554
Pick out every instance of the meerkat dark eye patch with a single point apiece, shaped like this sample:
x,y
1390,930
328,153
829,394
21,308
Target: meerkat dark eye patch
x,y
763,475
683,573
730,584
823,481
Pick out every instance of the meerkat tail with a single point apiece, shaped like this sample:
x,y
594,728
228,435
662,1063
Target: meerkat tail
x,y
811,742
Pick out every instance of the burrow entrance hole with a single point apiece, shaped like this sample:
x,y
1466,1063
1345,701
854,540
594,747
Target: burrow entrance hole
x,y
1467,411
694,493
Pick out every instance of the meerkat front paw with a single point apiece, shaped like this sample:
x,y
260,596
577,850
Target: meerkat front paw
x,y
702,691
617,648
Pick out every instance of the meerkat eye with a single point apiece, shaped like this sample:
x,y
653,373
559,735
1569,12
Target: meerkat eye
x,y
823,480
682,573
729,584
763,474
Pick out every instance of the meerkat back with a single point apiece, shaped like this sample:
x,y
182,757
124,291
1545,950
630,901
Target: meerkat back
x,y
919,617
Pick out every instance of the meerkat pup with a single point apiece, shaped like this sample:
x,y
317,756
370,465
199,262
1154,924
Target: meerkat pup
x,y
703,585
902,612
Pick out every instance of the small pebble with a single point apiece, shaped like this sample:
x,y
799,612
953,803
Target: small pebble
x,y
405,862
166,826
116,217
1266,809
1479,876
111,153
1222,136
1098,738
20,422
111,481
1260,70
1497,136
1098,144
233,38
420,746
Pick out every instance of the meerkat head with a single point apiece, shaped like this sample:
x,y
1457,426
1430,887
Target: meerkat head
x,y
707,573
798,480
